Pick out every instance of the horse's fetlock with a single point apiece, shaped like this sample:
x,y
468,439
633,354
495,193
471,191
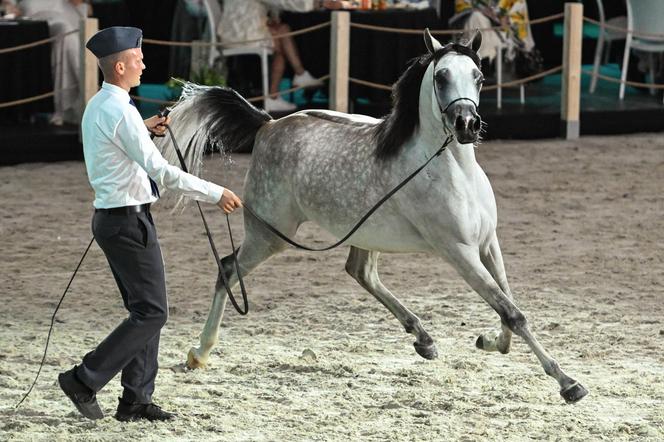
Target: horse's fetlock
x,y
551,368
410,325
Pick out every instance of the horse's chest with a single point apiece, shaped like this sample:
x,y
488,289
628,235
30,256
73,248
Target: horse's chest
x,y
472,210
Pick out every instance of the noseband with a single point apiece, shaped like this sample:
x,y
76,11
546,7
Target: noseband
x,y
454,101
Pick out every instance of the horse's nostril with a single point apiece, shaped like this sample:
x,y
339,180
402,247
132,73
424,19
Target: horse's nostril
x,y
477,124
459,124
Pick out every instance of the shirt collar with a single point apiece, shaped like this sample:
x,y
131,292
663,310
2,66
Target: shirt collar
x,y
116,90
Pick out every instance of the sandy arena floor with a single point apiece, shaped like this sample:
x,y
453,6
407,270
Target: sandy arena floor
x,y
582,233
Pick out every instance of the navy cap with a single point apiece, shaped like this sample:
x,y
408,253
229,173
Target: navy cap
x,y
114,39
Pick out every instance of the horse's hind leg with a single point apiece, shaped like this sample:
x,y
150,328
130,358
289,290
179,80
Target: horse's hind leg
x,y
493,261
363,266
258,245
467,261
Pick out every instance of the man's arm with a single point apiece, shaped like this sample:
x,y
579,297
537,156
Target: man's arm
x,y
140,148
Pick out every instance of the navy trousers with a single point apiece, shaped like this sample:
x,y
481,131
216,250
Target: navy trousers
x,y
130,244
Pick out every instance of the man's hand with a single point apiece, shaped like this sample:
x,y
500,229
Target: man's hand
x,y
229,201
157,125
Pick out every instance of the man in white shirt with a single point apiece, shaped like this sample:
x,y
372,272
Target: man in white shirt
x,y
125,169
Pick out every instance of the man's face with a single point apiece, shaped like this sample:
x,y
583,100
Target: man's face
x,y
133,67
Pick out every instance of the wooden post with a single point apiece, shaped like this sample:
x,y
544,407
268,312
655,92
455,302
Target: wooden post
x,y
571,76
339,60
89,70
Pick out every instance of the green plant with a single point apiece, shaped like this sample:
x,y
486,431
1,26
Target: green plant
x,y
208,76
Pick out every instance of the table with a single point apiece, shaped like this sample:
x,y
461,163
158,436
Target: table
x,y
379,57
24,73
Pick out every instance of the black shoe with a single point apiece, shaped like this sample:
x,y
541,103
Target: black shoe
x,y
84,399
132,412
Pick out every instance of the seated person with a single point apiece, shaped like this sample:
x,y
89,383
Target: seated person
x,y
243,20
511,14
62,16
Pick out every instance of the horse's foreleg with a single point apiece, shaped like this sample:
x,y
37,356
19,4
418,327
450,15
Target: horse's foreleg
x,y
468,263
492,259
363,266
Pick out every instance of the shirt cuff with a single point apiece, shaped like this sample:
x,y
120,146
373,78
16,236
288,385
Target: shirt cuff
x,y
215,191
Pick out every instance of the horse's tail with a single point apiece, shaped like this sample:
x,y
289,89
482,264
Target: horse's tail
x,y
206,117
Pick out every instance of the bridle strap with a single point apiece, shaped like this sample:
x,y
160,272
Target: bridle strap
x,y
455,100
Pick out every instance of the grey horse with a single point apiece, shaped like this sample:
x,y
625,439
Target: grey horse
x,y
330,168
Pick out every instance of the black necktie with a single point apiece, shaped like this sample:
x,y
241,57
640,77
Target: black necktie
x,y
153,185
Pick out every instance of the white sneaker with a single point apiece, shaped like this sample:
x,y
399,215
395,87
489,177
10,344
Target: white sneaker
x,y
56,120
306,80
279,104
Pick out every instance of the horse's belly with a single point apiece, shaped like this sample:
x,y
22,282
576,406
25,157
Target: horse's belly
x,y
382,235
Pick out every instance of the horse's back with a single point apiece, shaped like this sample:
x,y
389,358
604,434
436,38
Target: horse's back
x,y
311,157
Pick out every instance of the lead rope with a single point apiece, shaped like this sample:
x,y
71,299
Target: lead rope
x,y
213,247
48,338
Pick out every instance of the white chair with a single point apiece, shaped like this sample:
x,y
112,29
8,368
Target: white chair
x,y
214,15
643,16
499,81
608,36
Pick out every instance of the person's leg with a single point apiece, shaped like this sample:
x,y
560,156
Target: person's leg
x,y
138,376
278,63
289,49
131,247
278,68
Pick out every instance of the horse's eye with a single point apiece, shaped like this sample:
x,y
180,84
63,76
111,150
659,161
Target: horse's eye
x,y
479,81
441,75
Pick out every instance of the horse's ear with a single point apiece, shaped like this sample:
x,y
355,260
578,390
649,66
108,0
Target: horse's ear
x,y
476,42
431,43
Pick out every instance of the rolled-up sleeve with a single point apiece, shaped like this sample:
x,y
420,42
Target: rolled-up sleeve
x,y
136,142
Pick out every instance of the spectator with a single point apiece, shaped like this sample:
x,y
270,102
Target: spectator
x,y
243,20
516,38
62,16
189,23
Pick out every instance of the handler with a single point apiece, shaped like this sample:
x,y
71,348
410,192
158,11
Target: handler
x,y
124,167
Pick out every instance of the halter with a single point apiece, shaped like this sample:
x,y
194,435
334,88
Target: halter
x,y
461,50
442,111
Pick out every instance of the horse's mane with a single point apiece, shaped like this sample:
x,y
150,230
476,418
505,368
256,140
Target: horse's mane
x,y
400,124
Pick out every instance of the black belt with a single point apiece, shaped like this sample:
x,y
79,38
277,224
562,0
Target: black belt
x,y
125,210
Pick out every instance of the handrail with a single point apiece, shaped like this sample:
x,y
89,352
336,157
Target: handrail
x,y
36,43
257,98
449,31
624,30
628,83
231,44
486,88
27,100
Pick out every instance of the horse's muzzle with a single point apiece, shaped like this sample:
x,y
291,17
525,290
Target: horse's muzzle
x,y
466,122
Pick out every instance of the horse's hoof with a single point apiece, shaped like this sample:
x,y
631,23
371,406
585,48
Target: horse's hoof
x,y
427,351
573,393
490,343
480,342
193,360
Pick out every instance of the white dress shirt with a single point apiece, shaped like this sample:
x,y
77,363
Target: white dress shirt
x,y
119,156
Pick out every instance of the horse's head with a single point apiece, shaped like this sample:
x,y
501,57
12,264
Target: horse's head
x,y
457,81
